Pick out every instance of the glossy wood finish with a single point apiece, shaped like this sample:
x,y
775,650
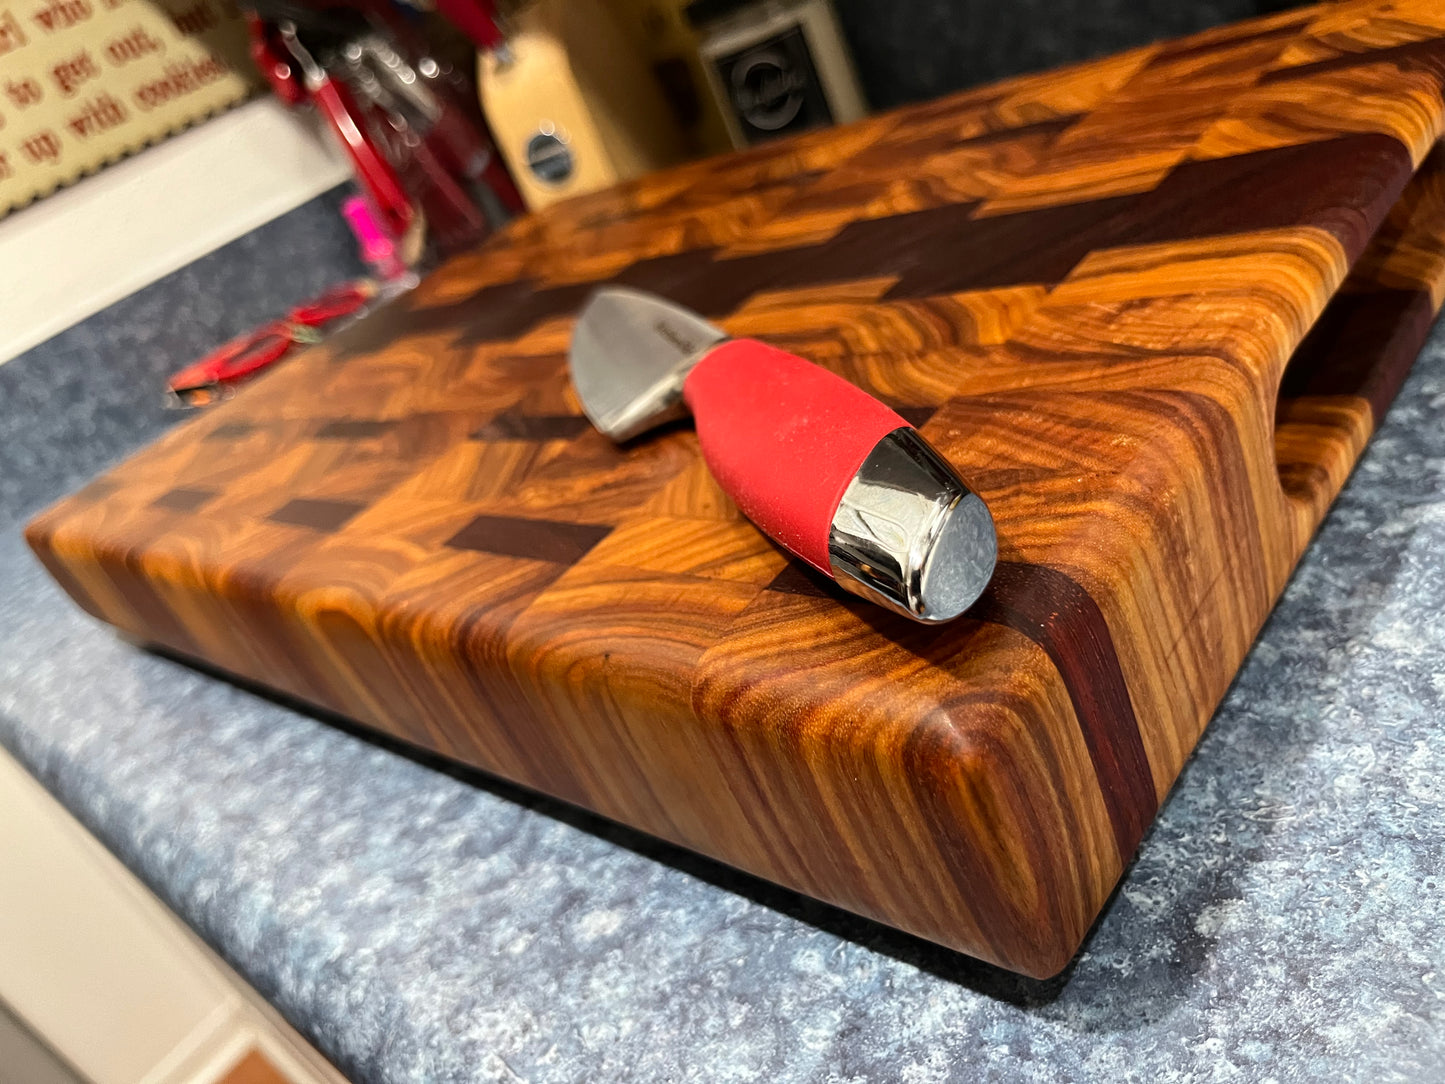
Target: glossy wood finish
x,y
1083,287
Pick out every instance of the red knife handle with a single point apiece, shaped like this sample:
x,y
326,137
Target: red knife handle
x,y
784,438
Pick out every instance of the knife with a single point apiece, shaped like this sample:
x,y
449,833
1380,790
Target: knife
x,y
836,477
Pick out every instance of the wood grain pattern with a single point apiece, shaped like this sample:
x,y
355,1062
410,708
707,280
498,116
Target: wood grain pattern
x,y
1085,287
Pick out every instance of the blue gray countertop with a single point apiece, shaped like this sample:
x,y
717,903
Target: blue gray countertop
x,y
1284,921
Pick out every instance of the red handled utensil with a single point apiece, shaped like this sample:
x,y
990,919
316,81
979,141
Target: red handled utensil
x,y
833,475
215,376
377,177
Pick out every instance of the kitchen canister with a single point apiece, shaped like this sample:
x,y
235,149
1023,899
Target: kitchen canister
x,y
776,66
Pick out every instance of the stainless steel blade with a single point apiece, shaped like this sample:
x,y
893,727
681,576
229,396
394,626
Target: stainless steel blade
x,y
631,352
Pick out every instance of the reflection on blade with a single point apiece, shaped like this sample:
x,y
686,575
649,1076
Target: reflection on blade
x,y
630,353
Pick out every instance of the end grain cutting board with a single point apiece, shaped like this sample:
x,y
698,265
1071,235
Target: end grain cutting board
x,y
1085,287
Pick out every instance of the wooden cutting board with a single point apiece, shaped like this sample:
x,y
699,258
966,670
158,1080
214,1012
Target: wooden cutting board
x,y
1084,287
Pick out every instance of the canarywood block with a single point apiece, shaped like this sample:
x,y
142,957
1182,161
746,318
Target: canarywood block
x,y
1085,287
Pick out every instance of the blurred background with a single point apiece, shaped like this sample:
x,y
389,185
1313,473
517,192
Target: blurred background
x,y
147,133
909,50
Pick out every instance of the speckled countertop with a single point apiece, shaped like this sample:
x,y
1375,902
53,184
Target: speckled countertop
x,y
1284,920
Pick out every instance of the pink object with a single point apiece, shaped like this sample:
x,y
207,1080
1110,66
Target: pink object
x,y
378,249
784,438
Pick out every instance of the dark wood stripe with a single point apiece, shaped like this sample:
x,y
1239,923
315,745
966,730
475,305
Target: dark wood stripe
x,y
1057,614
183,500
503,312
354,429
98,490
531,539
1354,181
1054,126
319,515
1363,344
800,579
1345,185
916,416
1039,246
1426,55
231,431
533,427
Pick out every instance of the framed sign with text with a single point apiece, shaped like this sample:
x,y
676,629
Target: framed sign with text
x,y
85,82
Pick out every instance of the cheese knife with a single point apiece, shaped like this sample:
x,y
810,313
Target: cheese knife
x,y
830,473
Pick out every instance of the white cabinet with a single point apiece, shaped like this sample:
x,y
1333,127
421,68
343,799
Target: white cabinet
x,y
94,965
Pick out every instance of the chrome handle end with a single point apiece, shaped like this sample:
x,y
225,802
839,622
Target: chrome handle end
x,y
909,535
